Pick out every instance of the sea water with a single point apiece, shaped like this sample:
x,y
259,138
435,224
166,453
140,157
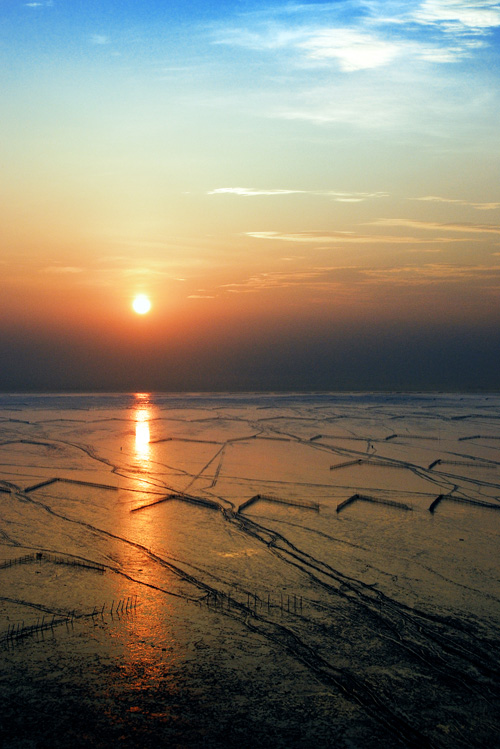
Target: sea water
x,y
249,569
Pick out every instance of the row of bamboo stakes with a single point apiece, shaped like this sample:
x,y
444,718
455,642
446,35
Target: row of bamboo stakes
x,y
19,630
286,602
40,556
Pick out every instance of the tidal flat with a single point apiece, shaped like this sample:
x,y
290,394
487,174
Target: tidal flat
x,y
236,570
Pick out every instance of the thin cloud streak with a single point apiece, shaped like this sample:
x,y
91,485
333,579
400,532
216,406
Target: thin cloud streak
x,y
458,201
59,269
346,237
341,197
435,226
335,278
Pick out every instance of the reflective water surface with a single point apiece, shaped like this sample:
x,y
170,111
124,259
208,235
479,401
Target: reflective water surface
x,y
257,569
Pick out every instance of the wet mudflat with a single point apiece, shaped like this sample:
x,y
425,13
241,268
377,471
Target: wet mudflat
x,y
250,570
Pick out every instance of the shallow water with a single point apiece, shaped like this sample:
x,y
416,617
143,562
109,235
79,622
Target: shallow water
x,y
188,569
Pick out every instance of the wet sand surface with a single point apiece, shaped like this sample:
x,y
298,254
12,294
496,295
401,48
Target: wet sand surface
x,y
249,570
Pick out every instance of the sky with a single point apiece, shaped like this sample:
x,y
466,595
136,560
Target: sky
x,y
308,193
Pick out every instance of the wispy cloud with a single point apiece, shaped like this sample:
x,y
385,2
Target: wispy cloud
x,y
63,269
435,226
334,278
351,49
477,206
341,197
362,35
99,39
459,16
107,270
314,277
485,277
354,63
46,4
251,192
346,237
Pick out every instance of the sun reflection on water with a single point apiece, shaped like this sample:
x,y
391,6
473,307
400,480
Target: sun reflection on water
x,y
142,434
148,644
142,417
146,484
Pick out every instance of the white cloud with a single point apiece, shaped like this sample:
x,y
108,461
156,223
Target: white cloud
x,y
460,15
250,191
350,48
364,35
347,237
353,50
341,197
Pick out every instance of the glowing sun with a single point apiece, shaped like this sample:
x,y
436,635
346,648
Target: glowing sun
x,y
141,304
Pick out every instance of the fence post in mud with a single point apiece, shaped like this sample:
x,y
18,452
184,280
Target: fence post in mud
x,y
268,605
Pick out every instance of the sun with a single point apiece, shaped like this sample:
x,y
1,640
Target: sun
x,y
141,304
